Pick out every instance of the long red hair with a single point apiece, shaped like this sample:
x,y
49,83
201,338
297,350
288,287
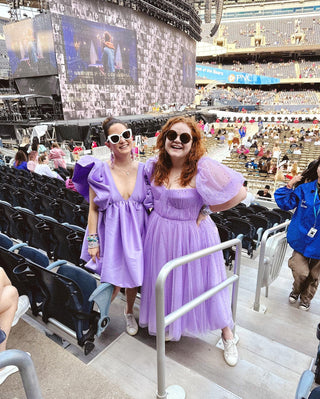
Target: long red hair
x,y
164,164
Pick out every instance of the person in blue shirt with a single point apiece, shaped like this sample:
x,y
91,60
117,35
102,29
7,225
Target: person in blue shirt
x,y
302,194
20,160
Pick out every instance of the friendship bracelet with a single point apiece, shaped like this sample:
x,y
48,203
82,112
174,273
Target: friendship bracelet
x,y
93,244
93,241
93,237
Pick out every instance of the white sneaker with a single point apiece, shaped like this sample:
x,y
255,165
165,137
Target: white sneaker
x,y
230,352
23,306
132,326
6,371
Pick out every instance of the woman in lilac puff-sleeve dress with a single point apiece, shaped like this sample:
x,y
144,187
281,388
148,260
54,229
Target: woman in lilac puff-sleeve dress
x,y
182,181
119,198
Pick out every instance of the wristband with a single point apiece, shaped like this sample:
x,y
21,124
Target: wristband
x,y
205,210
93,241
289,187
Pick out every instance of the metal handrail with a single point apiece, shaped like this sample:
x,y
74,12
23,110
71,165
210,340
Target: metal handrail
x,y
263,263
163,321
26,368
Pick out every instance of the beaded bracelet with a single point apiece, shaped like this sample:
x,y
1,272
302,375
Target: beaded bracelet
x,y
93,241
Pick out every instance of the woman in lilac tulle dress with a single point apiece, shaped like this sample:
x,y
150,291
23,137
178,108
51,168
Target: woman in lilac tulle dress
x,y
119,198
182,181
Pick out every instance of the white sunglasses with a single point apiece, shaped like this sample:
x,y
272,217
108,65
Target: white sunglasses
x,y
115,138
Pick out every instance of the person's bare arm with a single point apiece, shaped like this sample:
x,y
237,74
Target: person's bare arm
x,y
93,223
230,204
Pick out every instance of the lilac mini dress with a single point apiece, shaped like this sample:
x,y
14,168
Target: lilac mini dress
x,y
121,223
172,232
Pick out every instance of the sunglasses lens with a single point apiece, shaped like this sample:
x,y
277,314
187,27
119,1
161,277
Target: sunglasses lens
x,y
172,135
115,138
126,134
185,138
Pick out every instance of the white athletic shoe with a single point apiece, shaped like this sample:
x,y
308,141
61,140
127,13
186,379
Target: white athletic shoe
x,y
230,352
132,326
23,306
6,371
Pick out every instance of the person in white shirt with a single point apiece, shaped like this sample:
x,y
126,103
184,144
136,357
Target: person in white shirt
x,y
250,198
42,168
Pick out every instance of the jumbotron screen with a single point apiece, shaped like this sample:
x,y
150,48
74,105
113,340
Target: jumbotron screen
x,y
30,47
99,53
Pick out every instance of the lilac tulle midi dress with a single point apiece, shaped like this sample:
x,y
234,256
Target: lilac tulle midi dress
x,y
172,232
121,223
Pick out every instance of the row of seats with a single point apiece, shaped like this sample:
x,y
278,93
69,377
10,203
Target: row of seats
x,y
247,223
58,240
43,196
59,291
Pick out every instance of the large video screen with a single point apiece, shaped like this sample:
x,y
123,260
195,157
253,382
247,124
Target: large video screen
x,y
30,47
98,53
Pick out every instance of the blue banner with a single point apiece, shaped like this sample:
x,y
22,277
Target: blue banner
x,y
225,76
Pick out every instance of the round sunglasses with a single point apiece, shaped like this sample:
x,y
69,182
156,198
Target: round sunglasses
x,y
184,137
115,138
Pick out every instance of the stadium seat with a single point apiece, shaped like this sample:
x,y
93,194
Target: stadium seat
x,y
11,221
65,241
37,232
286,215
225,235
5,241
274,217
8,261
69,294
240,226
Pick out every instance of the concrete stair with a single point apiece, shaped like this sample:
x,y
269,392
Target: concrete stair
x,y
132,365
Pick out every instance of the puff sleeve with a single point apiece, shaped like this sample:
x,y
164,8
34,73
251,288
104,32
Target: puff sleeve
x,y
149,167
91,172
148,201
216,183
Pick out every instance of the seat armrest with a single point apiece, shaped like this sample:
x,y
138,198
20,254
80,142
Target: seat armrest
x,y
17,246
102,297
259,234
56,264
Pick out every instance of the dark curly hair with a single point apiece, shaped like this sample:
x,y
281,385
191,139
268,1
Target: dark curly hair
x,y
108,122
309,174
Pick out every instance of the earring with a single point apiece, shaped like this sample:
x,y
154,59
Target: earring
x,y
112,158
132,154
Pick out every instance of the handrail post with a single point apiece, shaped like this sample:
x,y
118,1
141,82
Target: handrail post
x,y
26,368
235,287
161,351
175,391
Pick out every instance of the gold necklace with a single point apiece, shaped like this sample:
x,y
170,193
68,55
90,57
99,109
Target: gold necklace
x,y
126,172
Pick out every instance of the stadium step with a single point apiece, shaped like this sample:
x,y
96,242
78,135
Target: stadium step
x,y
132,365
283,322
266,368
